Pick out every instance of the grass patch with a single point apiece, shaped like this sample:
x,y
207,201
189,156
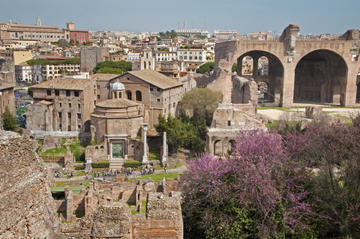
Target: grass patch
x,y
143,205
74,189
158,177
272,124
348,120
134,212
154,154
55,151
131,204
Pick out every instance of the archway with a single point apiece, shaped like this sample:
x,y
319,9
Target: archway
x,y
218,148
266,68
320,77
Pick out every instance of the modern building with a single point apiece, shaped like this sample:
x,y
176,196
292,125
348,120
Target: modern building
x,y
81,36
26,32
191,55
23,73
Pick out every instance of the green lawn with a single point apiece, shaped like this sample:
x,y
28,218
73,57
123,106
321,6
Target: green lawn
x,y
74,189
154,154
158,177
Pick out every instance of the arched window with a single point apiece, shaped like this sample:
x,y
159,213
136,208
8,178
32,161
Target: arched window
x,y
138,96
129,94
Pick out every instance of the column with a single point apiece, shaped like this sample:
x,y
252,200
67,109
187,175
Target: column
x,y
164,152
255,67
145,156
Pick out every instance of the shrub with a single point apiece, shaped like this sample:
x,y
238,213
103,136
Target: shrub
x,y
257,193
132,164
9,121
79,167
100,165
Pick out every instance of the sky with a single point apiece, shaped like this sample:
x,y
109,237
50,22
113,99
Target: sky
x,y
313,16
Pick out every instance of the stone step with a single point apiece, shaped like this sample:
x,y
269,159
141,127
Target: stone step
x,y
116,164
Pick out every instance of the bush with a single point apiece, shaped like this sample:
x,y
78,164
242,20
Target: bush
x,y
113,67
79,167
132,164
9,121
257,193
207,67
100,165
202,103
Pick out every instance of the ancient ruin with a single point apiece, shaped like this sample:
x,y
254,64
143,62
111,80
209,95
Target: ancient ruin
x,y
300,71
27,208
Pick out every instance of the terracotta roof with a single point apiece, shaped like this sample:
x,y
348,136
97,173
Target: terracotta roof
x,y
64,83
103,76
155,78
4,86
117,103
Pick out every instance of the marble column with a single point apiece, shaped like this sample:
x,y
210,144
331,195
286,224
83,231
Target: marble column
x,y
145,155
164,151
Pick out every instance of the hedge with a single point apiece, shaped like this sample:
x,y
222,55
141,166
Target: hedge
x,y
100,165
132,164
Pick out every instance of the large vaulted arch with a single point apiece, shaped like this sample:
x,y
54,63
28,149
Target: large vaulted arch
x,y
320,77
266,69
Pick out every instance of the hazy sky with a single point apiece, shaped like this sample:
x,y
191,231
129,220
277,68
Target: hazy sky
x,y
313,16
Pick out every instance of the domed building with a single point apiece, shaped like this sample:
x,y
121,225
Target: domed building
x,y
118,122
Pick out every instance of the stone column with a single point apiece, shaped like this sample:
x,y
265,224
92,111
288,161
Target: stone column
x,y
255,67
145,155
287,98
164,152
69,204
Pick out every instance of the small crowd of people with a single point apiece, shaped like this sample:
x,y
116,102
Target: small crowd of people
x,y
147,169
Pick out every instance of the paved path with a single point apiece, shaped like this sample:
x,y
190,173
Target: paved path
x,y
135,174
298,113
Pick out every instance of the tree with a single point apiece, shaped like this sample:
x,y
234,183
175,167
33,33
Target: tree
x,y
9,121
257,193
207,67
113,67
63,43
332,150
234,67
201,104
182,132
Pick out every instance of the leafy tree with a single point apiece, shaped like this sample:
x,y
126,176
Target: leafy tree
x,y
333,151
182,132
233,68
207,67
113,67
74,60
9,121
63,43
201,103
256,193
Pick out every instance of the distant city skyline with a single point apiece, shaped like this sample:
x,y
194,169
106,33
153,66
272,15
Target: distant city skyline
x,y
319,16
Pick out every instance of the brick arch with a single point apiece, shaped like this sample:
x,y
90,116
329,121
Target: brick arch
x,y
305,53
321,76
275,76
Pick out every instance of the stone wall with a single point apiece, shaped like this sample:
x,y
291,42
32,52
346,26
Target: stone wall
x,y
27,209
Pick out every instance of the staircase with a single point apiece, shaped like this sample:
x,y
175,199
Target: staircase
x,y
116,163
